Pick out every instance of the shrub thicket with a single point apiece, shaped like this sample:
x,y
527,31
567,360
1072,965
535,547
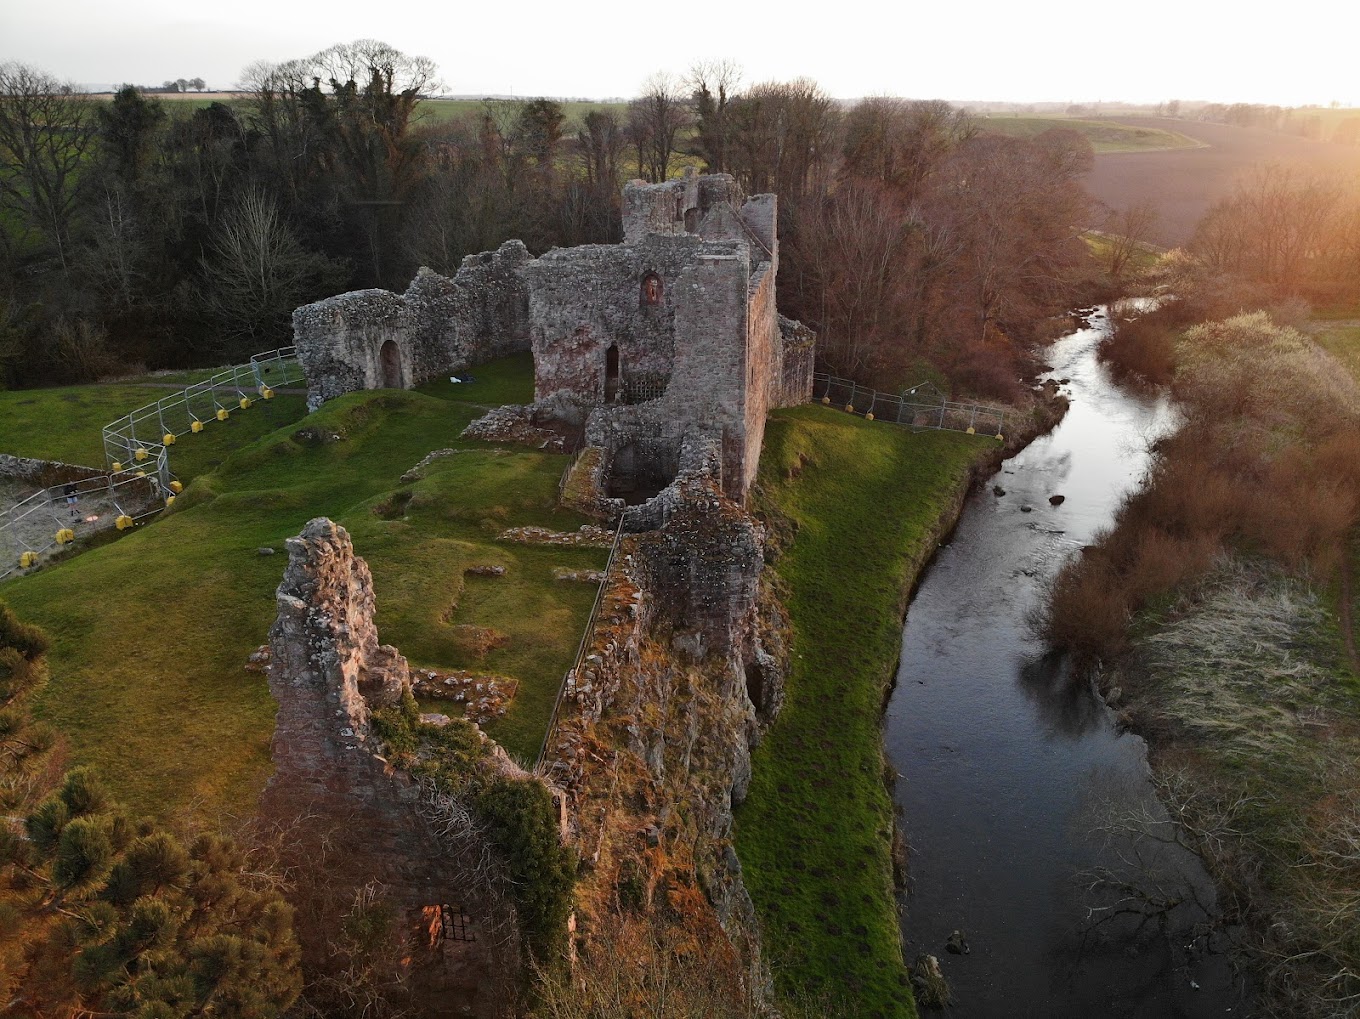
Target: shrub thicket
x,y
1267,462
104,915
515,814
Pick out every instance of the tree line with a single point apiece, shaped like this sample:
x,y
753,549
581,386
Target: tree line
x,y
138,232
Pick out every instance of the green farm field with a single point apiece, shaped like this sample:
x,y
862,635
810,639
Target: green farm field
x,y
1104,135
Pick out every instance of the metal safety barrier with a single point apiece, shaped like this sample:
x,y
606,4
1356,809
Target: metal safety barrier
x,y
921,406
140,433
138,481
53,516
568,676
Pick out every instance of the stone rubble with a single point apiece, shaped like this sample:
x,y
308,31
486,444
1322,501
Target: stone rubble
x,y
587,536
483,696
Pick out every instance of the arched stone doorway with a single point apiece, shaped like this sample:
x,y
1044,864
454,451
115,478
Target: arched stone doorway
x,y
390,358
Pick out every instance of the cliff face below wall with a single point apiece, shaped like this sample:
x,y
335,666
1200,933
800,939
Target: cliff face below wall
x,y
684,670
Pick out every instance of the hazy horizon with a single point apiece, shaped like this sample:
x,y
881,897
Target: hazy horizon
x,y
985,52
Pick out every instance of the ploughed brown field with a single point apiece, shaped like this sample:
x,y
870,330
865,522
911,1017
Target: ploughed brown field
x,y
1183,183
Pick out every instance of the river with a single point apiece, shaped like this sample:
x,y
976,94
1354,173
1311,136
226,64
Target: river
x,y
1012,777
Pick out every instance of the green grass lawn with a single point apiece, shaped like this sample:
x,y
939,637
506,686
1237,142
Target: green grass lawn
x,y
151,632
186,377
66,424
508,380
813,835
1104,135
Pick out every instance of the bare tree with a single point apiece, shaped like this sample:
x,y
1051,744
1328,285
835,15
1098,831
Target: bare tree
x,y
1273,228
860,253
656,118
361,60
786,138
600,144
257,271
713,86
1125,234
903,142
46,131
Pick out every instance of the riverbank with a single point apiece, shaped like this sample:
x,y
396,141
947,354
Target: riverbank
x,y
1251,712
855,511
1220,635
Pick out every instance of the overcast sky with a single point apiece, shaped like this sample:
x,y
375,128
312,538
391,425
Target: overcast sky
x,y
1055,50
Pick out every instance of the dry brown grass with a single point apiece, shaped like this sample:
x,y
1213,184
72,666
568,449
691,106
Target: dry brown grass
x,y
1268,462
1256,758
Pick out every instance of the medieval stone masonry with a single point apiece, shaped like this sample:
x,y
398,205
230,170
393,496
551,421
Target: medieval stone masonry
x,y
668,340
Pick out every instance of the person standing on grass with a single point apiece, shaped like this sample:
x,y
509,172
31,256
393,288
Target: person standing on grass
x,y
72,499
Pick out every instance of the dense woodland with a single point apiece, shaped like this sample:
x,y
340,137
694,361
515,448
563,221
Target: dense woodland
x,y
140,231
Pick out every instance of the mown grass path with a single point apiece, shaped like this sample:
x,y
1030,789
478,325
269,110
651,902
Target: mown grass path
x,y
870,502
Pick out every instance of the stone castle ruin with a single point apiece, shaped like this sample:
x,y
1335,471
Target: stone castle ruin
x,y
665,352
662,356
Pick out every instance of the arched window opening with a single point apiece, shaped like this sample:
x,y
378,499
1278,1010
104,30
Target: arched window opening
x,y
651,289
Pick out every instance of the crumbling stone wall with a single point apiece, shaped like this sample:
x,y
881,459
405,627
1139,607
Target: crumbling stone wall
x,y
324,638
684,671
439,326
349,819
583,300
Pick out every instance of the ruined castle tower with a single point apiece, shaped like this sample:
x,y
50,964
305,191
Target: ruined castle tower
x,y
672,334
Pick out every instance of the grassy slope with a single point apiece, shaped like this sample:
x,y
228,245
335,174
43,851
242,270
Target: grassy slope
x,y
1343,342
64,424
1104,135
813,835
151,632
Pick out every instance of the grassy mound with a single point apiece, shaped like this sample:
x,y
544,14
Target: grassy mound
x,y
151,633
867,501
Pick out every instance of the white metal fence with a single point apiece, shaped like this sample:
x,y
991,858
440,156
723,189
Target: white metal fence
x,y
56,515
136,436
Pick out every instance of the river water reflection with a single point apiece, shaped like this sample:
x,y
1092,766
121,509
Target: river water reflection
x,y
1011,775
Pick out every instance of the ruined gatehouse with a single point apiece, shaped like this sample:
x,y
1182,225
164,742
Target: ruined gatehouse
x,y
666,351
